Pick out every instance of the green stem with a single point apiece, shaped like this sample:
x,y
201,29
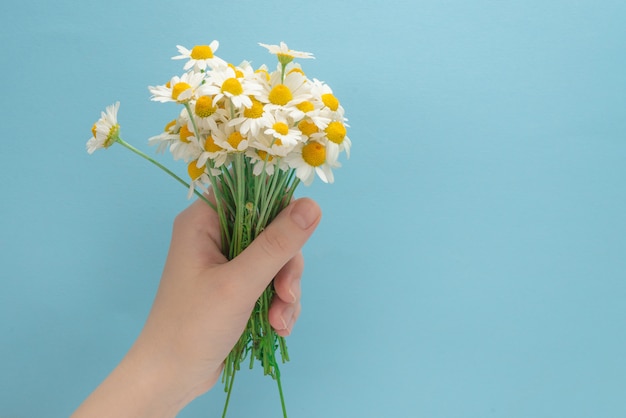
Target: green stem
x,y
280,392
230,390
196,132
162,167
237,246
267,202
292,188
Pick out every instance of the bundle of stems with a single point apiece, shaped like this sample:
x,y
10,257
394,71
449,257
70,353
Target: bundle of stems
x,y
246,204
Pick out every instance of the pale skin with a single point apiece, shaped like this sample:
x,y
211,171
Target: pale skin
x,y
200,310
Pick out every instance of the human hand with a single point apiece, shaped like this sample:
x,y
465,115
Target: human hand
x,y
201,308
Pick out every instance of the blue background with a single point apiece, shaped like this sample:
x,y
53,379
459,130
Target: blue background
x,y
471,261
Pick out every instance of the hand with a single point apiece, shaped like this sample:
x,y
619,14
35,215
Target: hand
x,y
201,308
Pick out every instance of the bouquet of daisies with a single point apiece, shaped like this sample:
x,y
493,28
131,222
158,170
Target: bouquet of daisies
x,y
251,135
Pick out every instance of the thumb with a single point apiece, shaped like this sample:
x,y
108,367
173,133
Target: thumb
x,y
257,265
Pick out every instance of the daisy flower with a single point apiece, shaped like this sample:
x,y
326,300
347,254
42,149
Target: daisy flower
x,y
262,74
223,82
272,144
105,132
205,113
291,91
280,128
200,56
261,161
298,111
309,110
252,119
229,138
212,151
284,54
323,94
311,158
243,70
178,89
199,177
167,137
308,128
186,146
335,133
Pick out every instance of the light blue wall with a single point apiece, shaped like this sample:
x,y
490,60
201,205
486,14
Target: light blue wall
x,y
472,257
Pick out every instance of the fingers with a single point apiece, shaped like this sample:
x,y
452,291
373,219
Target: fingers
x,y
281,241
283,316
286,306
287,281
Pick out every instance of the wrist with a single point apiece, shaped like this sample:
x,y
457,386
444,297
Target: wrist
x,y
157,382
138,387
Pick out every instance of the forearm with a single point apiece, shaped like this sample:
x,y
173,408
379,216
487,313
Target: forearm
x,y
140,386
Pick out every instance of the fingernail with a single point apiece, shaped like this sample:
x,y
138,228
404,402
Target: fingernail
x,y
287,317
293,296
304,213
287,327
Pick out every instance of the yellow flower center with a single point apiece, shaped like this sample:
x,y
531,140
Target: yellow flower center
x,y
281,128
201,52
194,171
314,154
185,133
93,130
280,95
307,127
255,111
232,86
204,106
263,155
330,101
335,131
296,70
178,89
305,106
210,145
170,125
238,73
235,139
